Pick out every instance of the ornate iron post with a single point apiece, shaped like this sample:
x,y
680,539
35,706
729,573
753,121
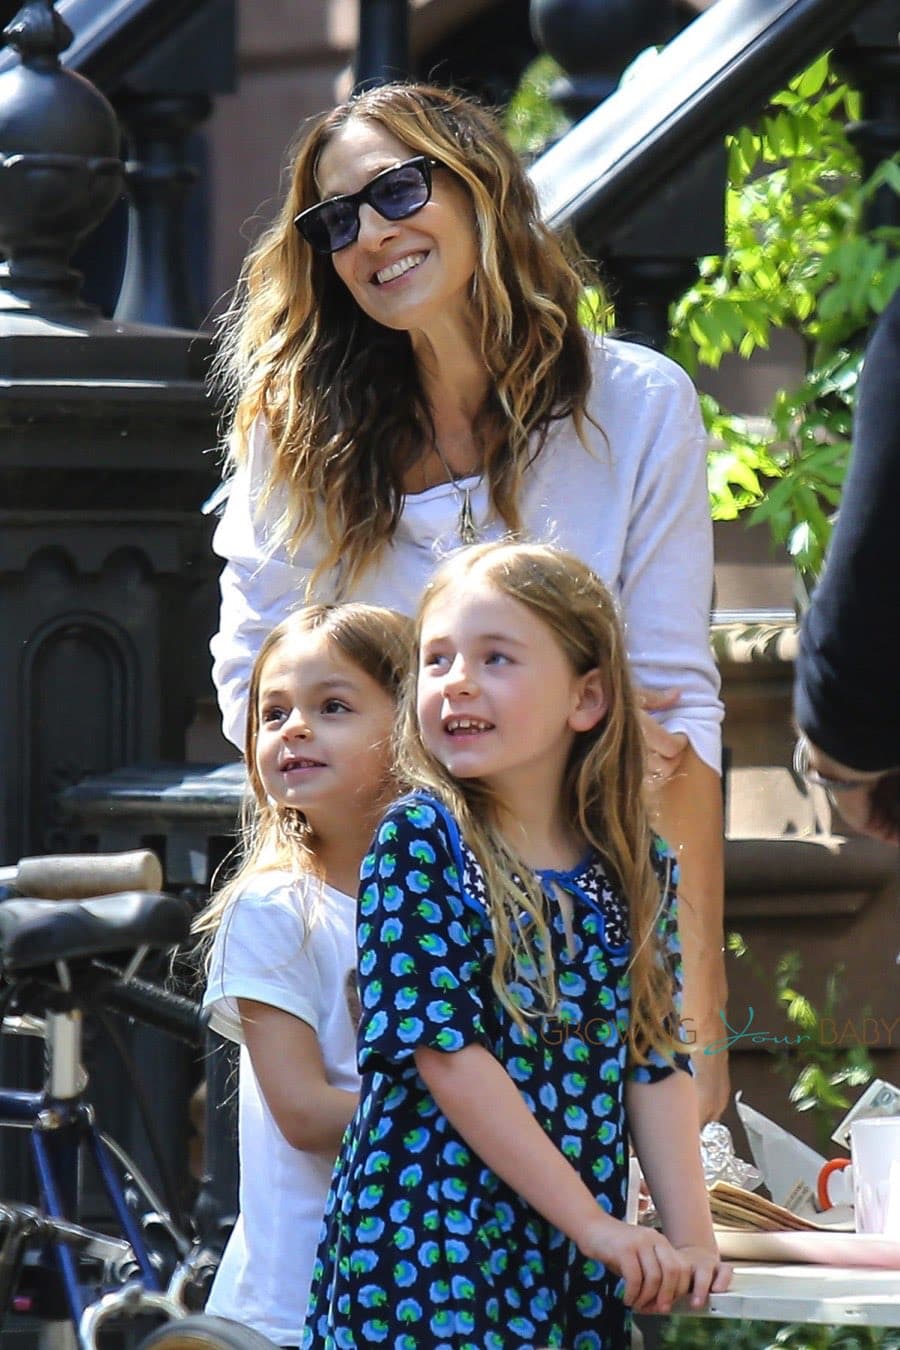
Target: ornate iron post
x,y
107,583
162,101
156,287
594,40
61,173
382,52
652,259
102,465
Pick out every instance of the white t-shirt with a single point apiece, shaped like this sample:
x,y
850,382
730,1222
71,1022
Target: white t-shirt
x,y
259,953
635,508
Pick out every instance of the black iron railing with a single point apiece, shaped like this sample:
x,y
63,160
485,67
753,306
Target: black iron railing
x,y
721,69
111,35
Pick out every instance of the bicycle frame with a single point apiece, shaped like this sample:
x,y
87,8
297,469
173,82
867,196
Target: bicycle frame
x,y
60,1123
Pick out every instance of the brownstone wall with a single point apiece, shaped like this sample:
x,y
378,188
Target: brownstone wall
x,y
290,53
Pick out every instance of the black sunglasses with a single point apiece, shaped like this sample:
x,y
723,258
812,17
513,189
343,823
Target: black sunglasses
x,y
394,193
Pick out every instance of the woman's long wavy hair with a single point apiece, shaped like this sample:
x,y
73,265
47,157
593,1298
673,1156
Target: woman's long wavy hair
x,y
341,394
275,837
602,790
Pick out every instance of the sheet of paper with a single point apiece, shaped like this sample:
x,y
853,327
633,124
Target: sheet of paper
x,y
789,1167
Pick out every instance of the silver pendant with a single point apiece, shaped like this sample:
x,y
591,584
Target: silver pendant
x,y
466,527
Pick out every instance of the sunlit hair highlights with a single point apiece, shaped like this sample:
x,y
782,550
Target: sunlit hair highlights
x,y
274,837
341,394
603,787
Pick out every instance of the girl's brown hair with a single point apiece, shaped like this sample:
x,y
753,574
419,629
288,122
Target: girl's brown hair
x,y
379,642
341,394
602,791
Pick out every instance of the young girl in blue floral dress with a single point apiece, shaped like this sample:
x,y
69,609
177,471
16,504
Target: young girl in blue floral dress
x,y
518,968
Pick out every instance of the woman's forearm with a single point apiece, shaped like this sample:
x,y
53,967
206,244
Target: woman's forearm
x,y
689,818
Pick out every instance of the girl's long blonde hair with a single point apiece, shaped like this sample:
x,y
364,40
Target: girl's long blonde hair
x,y
276,837
602,791
341,394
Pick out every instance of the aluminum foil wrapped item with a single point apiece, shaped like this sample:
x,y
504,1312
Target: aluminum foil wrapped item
x,y
721,1163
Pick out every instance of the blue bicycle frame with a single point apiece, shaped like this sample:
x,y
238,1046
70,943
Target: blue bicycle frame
x,y
61,1125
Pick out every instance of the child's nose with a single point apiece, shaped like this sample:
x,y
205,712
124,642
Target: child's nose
x,y
295,725
460,679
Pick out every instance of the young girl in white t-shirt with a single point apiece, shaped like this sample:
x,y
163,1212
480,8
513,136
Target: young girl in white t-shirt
x,y
281,970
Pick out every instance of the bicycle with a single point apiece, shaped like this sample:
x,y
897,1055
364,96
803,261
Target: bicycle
x,y
61,958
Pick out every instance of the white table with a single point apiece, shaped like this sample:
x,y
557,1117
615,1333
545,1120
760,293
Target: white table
x,y
832,1295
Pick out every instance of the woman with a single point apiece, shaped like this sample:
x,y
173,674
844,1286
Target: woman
x,y
408,373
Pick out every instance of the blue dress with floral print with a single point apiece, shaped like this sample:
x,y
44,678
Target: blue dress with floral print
x,y
423,1247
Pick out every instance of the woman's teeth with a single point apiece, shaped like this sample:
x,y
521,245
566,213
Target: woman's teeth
x,y
398,268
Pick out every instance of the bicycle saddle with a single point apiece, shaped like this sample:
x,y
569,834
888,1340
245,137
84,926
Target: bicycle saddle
x,y
36,933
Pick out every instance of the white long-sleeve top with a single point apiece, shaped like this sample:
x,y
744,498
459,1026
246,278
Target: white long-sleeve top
x,y
634,506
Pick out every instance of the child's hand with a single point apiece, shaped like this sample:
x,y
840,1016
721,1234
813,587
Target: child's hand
x,y
655,1273
710,1274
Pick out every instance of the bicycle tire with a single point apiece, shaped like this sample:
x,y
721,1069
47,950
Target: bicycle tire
x,y
205,1332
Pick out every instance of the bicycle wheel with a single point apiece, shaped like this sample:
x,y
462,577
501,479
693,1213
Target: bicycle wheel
x,y
202,1332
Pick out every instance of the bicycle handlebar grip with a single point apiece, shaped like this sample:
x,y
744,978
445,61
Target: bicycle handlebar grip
x,y
76,876
156,1007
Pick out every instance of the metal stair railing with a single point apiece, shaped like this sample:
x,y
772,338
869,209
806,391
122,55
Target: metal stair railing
x,y
109,35
719,70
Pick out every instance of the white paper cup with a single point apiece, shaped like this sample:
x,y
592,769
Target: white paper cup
x,y
875,1148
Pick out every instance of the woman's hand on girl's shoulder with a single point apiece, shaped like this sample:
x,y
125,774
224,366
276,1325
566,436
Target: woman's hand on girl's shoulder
x,y
709,1273
656,1274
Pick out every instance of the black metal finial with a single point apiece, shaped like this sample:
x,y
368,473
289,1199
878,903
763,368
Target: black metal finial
x,y
59,167
38,33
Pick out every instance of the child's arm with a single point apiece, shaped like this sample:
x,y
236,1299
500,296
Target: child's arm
x,y
482,1102
287,1060
664,1123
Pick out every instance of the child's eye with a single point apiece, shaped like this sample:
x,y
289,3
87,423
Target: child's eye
x,y
430,660
496,659
272,716
335,705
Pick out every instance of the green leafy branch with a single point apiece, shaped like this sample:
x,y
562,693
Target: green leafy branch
x,y
822,1069
531,119
798,257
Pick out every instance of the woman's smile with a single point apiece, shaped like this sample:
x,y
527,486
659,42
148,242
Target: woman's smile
x,y
393,271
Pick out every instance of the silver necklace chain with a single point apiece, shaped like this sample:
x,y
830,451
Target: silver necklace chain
x,y
466,527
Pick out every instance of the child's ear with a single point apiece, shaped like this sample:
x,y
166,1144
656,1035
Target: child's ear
x,y
590,704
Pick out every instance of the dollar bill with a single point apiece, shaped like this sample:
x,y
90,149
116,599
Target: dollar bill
x,y
879,1099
